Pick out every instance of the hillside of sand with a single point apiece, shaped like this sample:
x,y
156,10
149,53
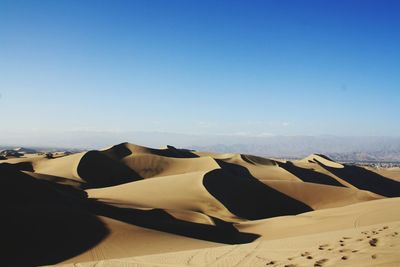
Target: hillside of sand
x,y
135,204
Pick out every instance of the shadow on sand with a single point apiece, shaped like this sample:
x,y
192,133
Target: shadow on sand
x,y
173,152
104,168
308,175
100,169
366,180
39,224
246,196
157,219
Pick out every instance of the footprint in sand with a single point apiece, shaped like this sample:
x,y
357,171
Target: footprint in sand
x,y
383,228
373,242
323,246
320,262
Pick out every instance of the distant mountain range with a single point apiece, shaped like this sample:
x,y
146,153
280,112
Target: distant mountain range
x,y
338,148
341,148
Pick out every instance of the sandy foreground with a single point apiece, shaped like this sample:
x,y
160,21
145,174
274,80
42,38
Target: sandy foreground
x,y
130,205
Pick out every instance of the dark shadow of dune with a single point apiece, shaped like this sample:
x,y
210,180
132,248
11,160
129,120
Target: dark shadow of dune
x,y
20,166
117,152
366,180
324,157
57,180
247,197
41,226
173,152
104,168
258,160
182,152
98,169
157,219
66,190
308,175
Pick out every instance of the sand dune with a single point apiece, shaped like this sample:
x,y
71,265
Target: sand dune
x,y
175,192
391,173
365,236
337,248
133,201
318,196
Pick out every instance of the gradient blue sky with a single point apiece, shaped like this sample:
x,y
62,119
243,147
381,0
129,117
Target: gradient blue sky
x,y
243,67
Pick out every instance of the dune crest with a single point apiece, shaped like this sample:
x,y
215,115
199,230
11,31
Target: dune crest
x,y
322,159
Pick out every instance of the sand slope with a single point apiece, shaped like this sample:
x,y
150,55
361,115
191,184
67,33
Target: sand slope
x,y
129,200
361,240
311,250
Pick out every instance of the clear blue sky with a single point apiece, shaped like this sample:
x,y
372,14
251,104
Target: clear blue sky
x,y
247,67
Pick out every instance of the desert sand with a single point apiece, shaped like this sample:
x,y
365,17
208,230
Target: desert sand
x,y
129,205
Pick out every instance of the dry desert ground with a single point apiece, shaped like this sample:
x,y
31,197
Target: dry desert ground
x,y
130,205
